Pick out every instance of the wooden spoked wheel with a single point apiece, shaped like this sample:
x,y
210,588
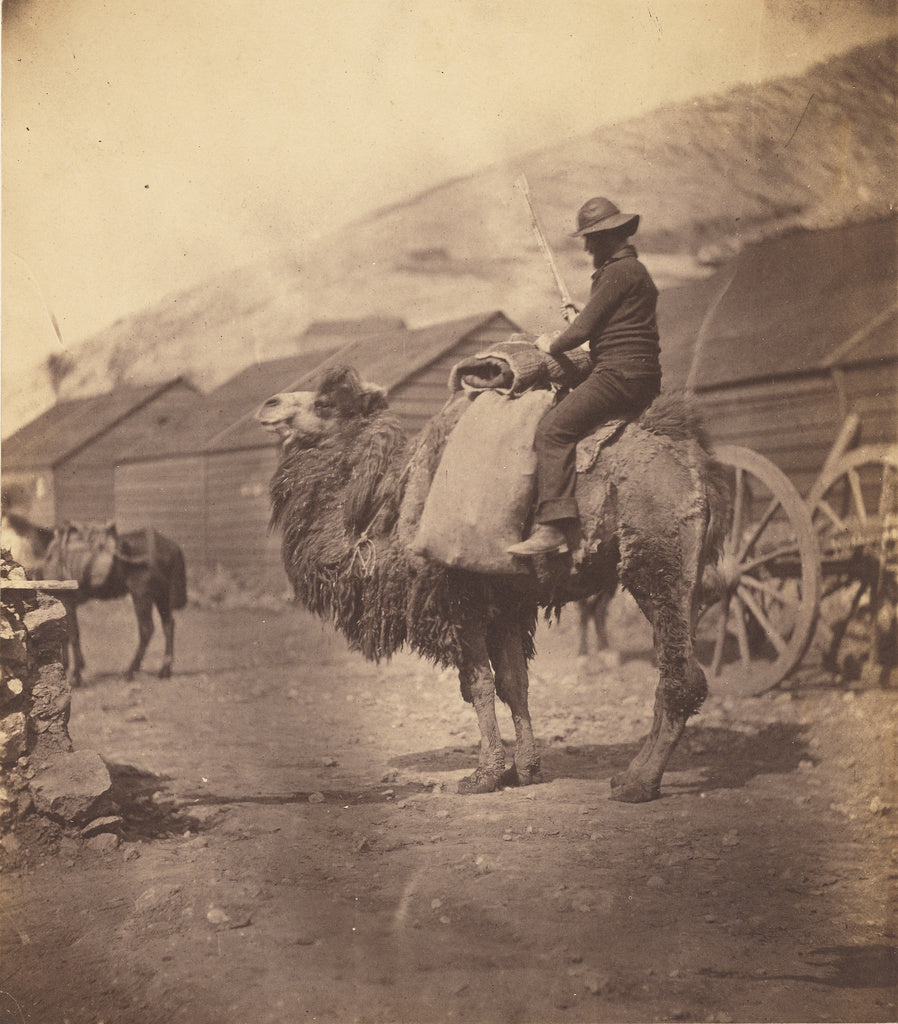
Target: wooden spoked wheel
x,y
761,598
854,508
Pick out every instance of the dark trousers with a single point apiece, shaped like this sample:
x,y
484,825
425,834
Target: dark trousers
x,y
605,394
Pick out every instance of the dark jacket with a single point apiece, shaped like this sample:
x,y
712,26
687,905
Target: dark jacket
x,y
618,321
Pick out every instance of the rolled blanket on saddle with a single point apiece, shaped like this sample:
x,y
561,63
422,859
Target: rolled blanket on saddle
x,y
515,366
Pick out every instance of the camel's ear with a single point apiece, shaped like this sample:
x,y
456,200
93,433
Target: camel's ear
x,y
351,396
342,386
374,399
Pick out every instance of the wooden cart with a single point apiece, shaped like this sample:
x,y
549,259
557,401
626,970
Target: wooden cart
x,y
794,568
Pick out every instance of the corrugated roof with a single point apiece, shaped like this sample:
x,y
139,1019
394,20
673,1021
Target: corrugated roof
x,y
239,396
386,359
389,359
65,428
799,303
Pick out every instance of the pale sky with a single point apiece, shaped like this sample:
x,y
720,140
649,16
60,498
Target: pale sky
x,y
150,144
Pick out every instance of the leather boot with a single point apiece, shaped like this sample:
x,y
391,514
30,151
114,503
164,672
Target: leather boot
x,y
545,539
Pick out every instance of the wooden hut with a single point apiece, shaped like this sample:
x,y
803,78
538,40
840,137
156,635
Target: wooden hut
x,y
784,341
61,465
204,479
162,480
413,366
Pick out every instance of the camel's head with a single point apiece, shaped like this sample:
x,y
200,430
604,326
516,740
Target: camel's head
x,y
307,417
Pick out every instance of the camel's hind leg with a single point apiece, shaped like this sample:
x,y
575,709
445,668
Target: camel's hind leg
x,y
668,596
506,651
478,688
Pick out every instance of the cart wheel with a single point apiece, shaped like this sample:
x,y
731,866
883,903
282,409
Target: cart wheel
x,y
762,596
854,506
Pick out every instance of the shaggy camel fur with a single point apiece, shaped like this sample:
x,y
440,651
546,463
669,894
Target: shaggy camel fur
x,y
347,494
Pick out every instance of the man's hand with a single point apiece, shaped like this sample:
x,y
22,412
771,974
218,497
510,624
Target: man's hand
x,y
569,311
544,343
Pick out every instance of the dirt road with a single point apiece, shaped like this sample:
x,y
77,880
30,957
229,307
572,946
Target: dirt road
x,y
293,849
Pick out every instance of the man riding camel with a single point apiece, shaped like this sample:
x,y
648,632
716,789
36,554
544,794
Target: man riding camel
x,y
619,324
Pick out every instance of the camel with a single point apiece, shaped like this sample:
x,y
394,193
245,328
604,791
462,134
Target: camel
x,y
349,489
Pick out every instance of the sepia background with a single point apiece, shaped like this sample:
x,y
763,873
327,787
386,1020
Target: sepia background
x,y
208,202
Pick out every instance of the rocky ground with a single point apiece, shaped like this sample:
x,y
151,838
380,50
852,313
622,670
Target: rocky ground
x,y
292,847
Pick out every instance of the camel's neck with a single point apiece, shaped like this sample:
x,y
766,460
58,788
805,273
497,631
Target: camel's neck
x,y
358,475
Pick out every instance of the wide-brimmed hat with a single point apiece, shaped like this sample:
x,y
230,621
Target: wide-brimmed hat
x,y
601,214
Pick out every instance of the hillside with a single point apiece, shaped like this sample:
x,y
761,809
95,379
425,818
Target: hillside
x,y
707,176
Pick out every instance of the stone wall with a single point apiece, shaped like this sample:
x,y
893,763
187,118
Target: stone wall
x,y
40,773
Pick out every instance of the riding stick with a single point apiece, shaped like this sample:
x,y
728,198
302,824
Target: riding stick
x,y
569,310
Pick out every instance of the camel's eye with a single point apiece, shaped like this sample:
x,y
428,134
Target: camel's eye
x,y
323,407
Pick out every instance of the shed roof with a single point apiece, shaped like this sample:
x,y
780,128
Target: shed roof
x,y
799,303
353,326
67,427
240,395
391,358
387,359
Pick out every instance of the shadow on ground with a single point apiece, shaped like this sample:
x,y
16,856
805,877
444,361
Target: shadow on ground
x,y
727,758
860,967
146,809
380,794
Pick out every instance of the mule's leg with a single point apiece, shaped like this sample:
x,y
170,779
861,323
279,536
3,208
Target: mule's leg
x,y
143,609
506,651
163,605
478,688
607,655
583,607
594,614
667,595
74,638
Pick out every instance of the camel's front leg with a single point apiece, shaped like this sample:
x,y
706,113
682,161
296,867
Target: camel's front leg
x,y
506,651
478,688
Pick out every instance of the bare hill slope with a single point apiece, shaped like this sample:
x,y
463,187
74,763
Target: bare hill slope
x,y
707,176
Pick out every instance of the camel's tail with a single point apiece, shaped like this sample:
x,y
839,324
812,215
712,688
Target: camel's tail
x,y
675,415
718,502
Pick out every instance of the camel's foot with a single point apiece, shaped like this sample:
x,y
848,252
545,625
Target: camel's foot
x,y
512,777
481,781
527,775
165,672
634,791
